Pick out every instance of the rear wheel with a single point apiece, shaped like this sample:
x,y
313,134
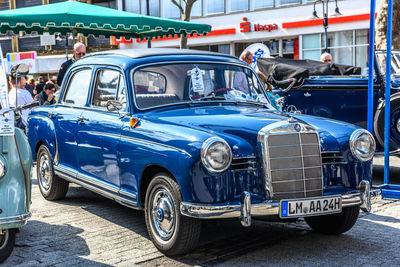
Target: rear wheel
x,y
7,240
171,232
336,223
51,186
379,123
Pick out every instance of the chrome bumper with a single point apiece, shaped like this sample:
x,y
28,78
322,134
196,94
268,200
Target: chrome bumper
x,y
245,210
15,219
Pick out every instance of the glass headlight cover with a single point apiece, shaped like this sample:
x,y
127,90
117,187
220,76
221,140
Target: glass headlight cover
x,y
362,144
216,154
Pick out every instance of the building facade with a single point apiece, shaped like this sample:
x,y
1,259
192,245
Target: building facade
x,y
287,27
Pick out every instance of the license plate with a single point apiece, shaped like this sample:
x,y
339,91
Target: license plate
x,y
310,206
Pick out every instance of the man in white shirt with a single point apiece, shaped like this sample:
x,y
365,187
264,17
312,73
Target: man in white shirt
x,y
20,96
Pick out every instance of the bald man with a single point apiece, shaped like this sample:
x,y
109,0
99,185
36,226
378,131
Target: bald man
x,y
78,52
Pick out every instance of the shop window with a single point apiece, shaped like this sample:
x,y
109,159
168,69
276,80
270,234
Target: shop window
x,y
197,9
132,6
214,6
154,7
238,5
105,3
169,10
273,46
27,3
263,3
346,47
336,39
289,2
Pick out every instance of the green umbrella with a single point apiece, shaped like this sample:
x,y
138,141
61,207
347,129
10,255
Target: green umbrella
x,y
77,17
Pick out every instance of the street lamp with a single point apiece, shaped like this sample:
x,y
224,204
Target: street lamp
x,y
325,4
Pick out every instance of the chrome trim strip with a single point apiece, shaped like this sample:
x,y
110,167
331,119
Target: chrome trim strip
x,y
155,143
98,187
16,219
127,194
66,170
245,169
267,208
137,140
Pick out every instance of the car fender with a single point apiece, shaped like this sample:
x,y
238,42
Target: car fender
x,y
40,130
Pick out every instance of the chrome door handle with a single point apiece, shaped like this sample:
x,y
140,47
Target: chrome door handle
x,y
52,115
82,119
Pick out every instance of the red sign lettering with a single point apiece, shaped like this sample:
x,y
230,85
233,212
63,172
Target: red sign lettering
x,y
245,25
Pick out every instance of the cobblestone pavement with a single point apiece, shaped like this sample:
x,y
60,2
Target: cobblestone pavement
x,y
86,229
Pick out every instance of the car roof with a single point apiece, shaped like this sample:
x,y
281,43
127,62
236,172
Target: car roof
x,y
130,57
146,52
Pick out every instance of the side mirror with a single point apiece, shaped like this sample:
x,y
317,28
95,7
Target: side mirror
x,y
114,105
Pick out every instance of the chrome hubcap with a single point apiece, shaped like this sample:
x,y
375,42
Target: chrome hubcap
x,y
44,168
398,125
4,239
163,214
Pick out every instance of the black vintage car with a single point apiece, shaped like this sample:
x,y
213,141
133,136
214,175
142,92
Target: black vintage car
x,y
337,91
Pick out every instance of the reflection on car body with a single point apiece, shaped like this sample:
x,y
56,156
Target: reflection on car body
x,y
175,138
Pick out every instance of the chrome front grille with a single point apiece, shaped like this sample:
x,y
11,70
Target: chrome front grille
x,y
292,159
244,163
332,157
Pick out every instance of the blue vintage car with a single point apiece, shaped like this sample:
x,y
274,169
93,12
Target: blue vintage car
x,y
187,135
332,91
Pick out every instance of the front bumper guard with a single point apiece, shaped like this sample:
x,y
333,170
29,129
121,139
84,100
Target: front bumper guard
x,y
23,218
245,210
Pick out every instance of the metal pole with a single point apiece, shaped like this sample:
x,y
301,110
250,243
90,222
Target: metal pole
x,y
148,14
325,10
371,65
66,46
387,88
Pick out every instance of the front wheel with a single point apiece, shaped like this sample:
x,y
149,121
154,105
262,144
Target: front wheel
x,y
51,187
171,232
7,240
335,224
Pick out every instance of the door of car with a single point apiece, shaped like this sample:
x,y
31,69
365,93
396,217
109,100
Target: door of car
x,y
66,114
99,130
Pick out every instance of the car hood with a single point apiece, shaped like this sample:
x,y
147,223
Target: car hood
x,y
239,124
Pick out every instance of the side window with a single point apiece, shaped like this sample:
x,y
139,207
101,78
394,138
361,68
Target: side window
x,y
78,88
106,88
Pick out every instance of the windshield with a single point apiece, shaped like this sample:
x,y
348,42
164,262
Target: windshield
x,y
193,82
381,56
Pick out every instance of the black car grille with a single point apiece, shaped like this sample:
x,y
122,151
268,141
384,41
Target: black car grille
x,y
294,165
244,164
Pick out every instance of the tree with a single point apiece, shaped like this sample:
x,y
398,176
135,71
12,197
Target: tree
x,y
185,7
381,25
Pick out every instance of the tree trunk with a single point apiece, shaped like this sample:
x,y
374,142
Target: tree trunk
x,y
381,25
183,42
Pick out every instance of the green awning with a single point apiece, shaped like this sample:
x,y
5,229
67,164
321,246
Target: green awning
x,y
77,17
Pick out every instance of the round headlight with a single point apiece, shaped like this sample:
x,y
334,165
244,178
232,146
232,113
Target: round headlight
x,y
2,168
216,154
362,144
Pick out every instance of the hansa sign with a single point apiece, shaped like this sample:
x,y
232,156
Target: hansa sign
x,y
258,50
6,116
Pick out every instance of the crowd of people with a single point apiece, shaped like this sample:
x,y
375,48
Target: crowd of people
x,y
24,91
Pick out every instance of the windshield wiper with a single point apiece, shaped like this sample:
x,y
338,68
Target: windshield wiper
x,y
210,97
